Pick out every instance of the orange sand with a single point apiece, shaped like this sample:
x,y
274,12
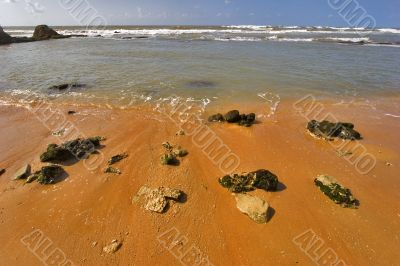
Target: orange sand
x,y
90,206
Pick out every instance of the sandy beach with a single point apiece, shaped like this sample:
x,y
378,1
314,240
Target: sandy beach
x,y
85,212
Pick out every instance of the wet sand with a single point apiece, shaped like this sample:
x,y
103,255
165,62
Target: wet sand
x,y
90,206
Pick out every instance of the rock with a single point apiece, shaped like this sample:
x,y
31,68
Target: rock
x,y
47,175
68,86
4,37
94,243
2,171
232,116
336,192
180,133
216,118
169,159
78,149
261,179
44,32
58,133
254,207
328,130
23,173
113,247
112,170
117,158
388,164
180,152
157,199
167,145
71,112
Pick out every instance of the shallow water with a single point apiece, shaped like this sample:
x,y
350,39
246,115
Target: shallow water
x,y
214,64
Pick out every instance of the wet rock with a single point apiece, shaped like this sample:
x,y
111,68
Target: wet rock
x,y
113,247
47,175
157,199
327,130
2,171
44,32
78,149
232,116
336,192
239,183
68,86
169,159
216,118
200,84
4,37
254,207
117,158
112,170
23,173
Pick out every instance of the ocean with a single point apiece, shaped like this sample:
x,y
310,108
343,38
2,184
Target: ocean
x,y
129,65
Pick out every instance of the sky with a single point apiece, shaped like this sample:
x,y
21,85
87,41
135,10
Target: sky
x,y
386,13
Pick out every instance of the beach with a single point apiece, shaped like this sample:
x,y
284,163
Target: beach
x,y
154,104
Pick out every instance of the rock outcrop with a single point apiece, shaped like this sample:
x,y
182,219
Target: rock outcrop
x,y
327,130
44,32
239,183
252,206
4,37
336,192
234,116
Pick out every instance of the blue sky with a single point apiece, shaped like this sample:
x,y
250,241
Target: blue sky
x,y
196,12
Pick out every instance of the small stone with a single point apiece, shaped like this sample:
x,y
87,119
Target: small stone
x,y
117,158
71,112
167,145
180,133
2,171
389,164
232,116
23,173
344,153
58,133
327,130
94,244
112,170
169,159
254,207
113,247
49,174
216,118
180,152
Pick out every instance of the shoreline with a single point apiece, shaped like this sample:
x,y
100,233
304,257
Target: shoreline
x,y
92,206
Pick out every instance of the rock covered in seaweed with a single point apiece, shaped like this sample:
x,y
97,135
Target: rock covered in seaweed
x,y
234,116
47,175
117,158
328,130
239,183
2,171
171,157
252,206
78,149
336,192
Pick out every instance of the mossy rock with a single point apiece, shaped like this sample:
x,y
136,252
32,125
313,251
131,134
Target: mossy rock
x,y
115,159
245,182
169,159
336,192
47,175
328,130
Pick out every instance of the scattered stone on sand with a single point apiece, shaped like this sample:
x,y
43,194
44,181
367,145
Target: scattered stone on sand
x,y
180,133
157,199
116,158
113,247
234,116
2,171
112,170
58,133
389,164
44,32
78,149
254,207
67,86
329,131
94,243
167,145
71,112
170,158
344,153
239,183
336,192
178,151
23,173
47,175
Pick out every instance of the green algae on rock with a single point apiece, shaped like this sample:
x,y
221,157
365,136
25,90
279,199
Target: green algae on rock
x,y
112,170
234,116
47,175
336,192
327,130
239,183
116,158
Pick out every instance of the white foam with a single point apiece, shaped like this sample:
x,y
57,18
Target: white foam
x,y
391,115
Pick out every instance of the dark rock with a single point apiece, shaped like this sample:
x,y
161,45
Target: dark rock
x,y
117,31
112,170
117,158
78,149
336,192
44,32
47,175
71,112
4,37
169,159
232,116
216,118
200,84
238,183
66,86
23,173
2,171
328,130
142,37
